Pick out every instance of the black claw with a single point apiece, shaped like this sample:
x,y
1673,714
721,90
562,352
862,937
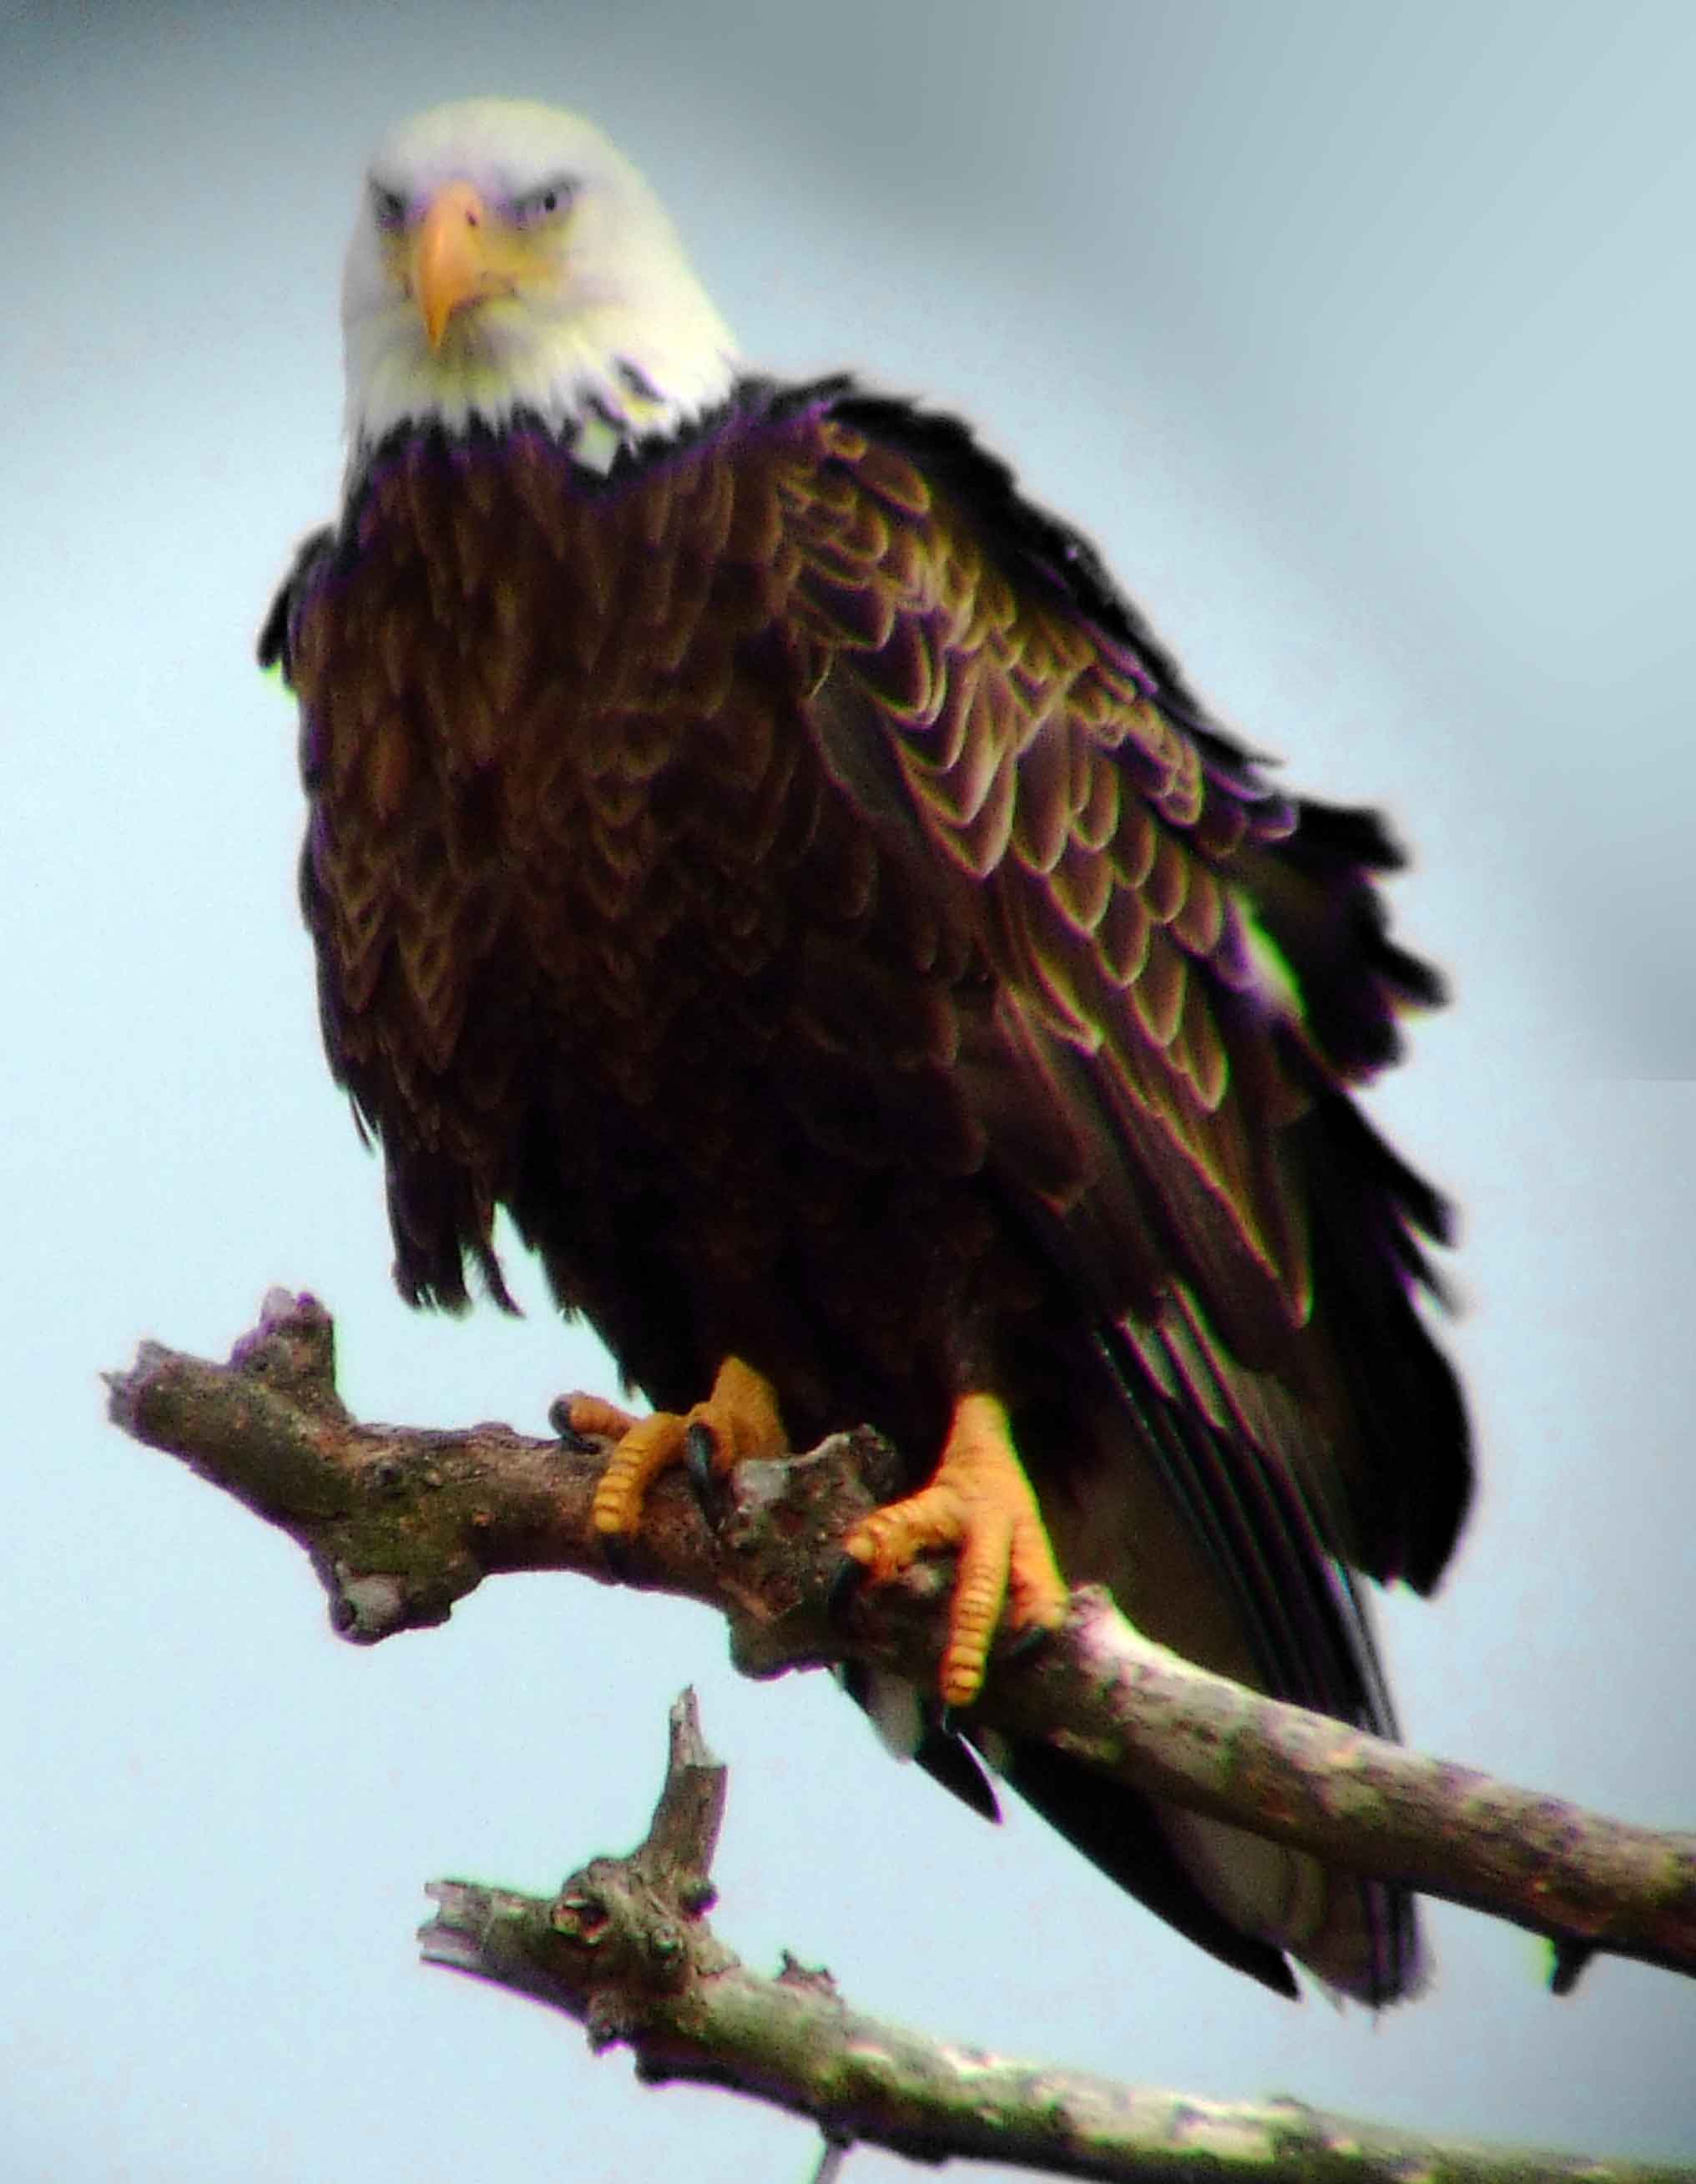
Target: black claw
x,y
616,1547
560,1418
843,1591
700,1450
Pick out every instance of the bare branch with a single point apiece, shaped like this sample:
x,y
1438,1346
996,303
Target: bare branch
x,y
400,1523
626,1949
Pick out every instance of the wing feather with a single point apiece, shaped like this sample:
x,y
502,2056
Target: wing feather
x,y
1210,956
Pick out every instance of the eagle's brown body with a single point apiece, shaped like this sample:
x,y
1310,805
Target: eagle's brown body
x,y
786,875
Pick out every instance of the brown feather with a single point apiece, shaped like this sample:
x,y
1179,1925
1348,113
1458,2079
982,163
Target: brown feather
x,y
786,876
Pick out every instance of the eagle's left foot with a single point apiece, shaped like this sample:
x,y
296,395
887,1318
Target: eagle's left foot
x,y
738,1421
980,1501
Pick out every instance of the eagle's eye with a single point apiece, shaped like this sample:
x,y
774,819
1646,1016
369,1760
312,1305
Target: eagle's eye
x,y
388,207
547,202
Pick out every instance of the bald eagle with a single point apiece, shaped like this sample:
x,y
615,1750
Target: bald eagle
x,y
762,851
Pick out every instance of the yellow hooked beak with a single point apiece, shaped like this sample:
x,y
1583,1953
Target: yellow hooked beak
x,y
463,253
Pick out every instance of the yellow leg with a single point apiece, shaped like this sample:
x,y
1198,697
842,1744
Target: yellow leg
x,y
980,1501
741,1414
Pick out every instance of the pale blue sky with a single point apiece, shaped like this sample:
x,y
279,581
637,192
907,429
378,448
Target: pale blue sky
x,y
1360,336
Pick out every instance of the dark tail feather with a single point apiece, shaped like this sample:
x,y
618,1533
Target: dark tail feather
x,y
1118,1831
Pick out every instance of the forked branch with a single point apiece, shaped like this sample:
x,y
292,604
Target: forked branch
x,y
626,1949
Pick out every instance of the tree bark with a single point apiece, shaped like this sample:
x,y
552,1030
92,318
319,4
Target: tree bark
x,y
400,1523
626,1949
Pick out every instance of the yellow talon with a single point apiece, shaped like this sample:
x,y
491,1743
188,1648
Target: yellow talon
x,y
980,1501
651,1446
741,1414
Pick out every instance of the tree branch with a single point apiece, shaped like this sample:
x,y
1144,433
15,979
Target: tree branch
x,y
625,1947
401,1523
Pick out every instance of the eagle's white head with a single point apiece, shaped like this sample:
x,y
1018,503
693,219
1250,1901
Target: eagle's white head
x,y
505,257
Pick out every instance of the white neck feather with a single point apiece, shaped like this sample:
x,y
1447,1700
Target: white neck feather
x,y
607,376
